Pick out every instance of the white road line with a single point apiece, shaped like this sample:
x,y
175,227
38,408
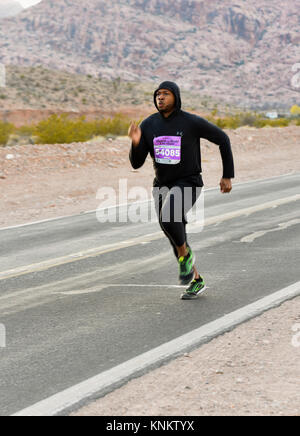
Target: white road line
x,y
93,252
282,226
110,285
108,380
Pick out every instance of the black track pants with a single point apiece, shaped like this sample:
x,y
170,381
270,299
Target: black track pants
x,y
171,206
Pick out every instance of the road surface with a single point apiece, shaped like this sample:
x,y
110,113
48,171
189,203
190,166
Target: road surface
x,y
79,297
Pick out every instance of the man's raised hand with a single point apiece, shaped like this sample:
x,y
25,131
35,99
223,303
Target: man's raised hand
x,y
135,133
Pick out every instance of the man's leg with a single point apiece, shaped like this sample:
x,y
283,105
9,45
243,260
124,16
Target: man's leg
x,y
182,251
174,208
197,286
171,207
160,195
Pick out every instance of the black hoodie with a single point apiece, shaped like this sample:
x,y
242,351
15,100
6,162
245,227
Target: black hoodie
x,y
174,144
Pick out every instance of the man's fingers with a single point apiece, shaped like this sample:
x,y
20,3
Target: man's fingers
x,y
134,133
132,128
225,186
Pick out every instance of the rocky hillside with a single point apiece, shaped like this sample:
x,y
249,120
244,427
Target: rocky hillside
x,y
33,93
241,52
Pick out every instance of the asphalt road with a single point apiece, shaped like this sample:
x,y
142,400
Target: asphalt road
x,y
78,297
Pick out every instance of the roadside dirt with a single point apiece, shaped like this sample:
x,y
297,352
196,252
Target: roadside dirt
x,y
253,370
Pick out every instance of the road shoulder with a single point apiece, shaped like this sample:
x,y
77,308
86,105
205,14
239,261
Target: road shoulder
x,y
252,370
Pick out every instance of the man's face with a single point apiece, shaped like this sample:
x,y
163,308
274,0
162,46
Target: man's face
x,y
165,100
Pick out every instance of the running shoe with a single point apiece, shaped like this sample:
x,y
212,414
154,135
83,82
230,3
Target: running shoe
x,y
194,290
186,270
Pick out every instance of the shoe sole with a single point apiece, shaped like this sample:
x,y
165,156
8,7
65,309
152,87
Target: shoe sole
x,y
187,296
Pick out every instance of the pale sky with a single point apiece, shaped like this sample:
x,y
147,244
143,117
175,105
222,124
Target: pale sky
x,y
27,3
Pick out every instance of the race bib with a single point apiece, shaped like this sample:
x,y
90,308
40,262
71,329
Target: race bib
x,y
167,149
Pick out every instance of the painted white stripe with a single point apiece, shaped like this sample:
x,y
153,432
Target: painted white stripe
x,y
109,285
97,251
282,226
109,379
48,220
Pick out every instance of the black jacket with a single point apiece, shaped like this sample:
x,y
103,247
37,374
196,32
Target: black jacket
x,y
174,144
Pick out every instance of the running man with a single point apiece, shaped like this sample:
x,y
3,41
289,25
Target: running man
x,y
172,137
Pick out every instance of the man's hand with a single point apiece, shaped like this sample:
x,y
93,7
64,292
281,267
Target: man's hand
x,y
135,134
225,185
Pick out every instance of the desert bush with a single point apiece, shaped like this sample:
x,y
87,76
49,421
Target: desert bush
x,y
279,122
118,125
295,110
59,129
26,130
6,129
247,119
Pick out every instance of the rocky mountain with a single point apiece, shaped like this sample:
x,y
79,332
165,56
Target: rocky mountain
x,y
238,51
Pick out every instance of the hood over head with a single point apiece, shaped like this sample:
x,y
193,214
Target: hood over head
x,y
171,86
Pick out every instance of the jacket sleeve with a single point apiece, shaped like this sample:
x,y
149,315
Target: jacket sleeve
x,y
216,135
139,153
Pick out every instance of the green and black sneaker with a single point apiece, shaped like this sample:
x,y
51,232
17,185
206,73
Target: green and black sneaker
x,y
194,290
186,270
